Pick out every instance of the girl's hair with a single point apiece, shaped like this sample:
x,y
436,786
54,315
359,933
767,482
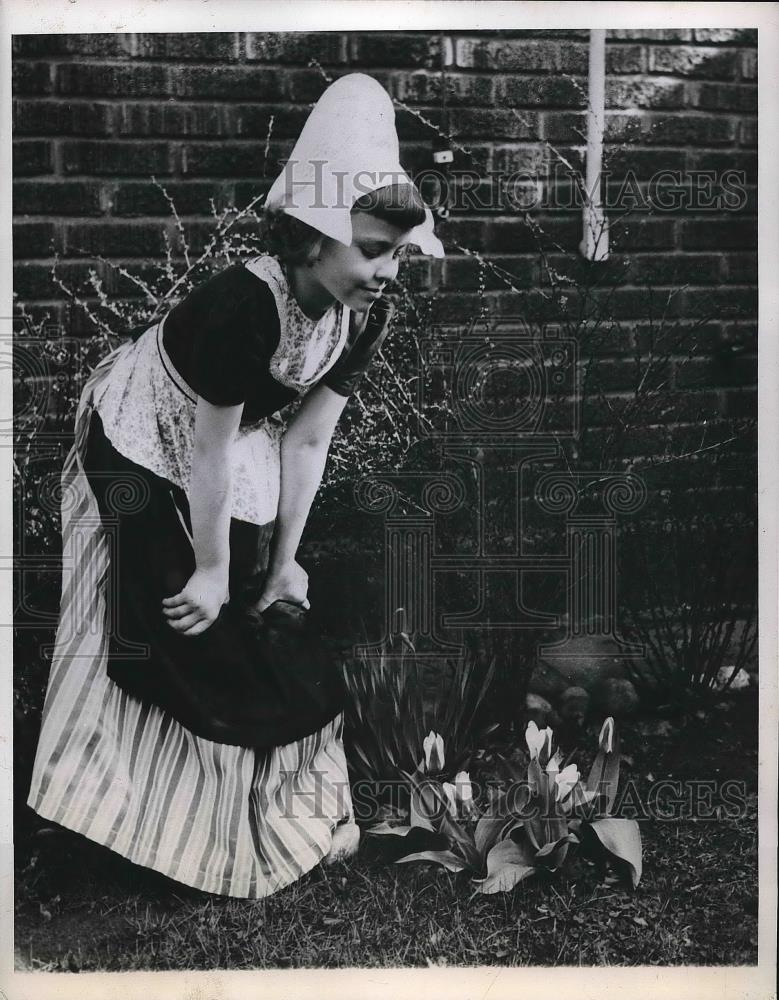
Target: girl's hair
x,y
289,239
400,204
295,242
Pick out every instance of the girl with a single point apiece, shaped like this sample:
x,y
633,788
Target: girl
x,y
198,451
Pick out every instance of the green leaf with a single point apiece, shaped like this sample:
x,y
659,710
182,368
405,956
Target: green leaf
x,y
429,809
369,764
463,839
535,778
622,839
604,773
507,864
399,842
449,860
553,855
586,804
425,803
384,828
491,829
407,641
518,801
547,828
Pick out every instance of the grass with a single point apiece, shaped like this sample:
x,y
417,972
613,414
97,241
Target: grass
x,y
80,907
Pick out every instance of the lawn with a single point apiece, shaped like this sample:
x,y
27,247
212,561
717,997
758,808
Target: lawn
x,y
80,907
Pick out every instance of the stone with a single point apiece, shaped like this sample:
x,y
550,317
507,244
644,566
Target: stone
x,y
538,710
615,696
739,682
546,681
588,659
574,706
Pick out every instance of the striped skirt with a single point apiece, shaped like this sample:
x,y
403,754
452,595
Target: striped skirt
x,y
223,819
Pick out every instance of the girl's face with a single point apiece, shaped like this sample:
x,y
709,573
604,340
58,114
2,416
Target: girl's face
x,y
356,275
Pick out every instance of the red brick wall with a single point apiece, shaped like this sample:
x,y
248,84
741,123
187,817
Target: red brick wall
x,y
96,115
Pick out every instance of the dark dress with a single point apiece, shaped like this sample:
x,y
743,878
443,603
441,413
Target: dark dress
x,y
119,767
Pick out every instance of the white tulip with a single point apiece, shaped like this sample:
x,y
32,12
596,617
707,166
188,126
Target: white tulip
x,y
566,780
433,745
548,734
536,738
554,763
606,738
451,802
462,785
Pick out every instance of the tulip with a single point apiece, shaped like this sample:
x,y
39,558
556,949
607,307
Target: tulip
x,y
548,750
554,763
606,738
604,773
536,738
566,780
464,792
462,785
433,745
451,802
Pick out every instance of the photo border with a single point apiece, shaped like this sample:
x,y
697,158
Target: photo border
x,y
674,982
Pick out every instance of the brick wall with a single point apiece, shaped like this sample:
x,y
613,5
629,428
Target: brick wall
x,y
96,115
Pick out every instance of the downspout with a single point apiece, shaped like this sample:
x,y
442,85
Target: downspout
x,y
595,236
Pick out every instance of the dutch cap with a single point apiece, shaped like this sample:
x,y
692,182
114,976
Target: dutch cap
x,y
348,147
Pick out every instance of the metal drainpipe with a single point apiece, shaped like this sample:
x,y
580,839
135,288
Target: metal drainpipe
x,y
595,238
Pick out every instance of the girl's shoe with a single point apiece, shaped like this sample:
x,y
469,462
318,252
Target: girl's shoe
x,y
346,840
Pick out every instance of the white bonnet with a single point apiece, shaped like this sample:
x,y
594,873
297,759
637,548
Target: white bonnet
x,y
348,147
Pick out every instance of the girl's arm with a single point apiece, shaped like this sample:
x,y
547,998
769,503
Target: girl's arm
x,y
210,503
304,448
210,487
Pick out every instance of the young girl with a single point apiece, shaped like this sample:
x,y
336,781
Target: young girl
x,y
198,451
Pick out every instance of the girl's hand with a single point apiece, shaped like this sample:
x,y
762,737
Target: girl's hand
x,y
197,606
287,583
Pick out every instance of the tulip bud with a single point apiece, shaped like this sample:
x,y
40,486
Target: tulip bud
x,y
534,739
566,780
548,736
451,802
539,741
433,745
606,738
462,786
554,763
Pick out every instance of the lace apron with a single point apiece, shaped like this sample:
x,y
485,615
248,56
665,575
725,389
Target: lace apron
x,y
148,411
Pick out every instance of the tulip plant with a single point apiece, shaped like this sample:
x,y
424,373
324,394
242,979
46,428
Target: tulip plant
x,y
524,830
386,718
